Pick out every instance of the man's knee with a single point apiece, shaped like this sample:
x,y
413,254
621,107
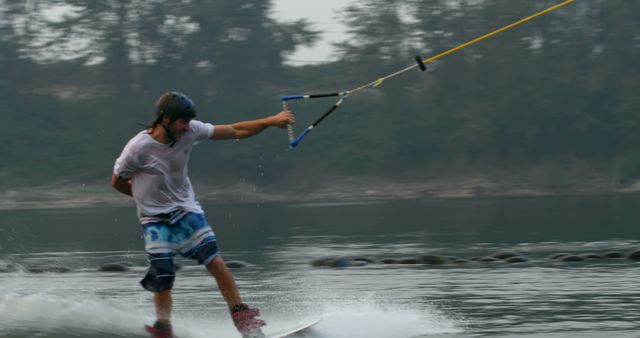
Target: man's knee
x,y
216,265
160,276
216,261
206,253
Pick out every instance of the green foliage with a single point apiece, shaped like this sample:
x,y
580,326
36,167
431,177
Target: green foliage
x,y
560,88
627,169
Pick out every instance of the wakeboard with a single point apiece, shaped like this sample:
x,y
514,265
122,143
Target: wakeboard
x,y
300,327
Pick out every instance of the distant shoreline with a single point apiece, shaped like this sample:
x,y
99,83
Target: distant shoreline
x,y
339,189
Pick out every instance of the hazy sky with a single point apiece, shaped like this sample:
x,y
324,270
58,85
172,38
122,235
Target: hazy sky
x,y
325,18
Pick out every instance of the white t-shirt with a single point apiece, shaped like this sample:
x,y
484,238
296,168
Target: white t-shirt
x,y
159,173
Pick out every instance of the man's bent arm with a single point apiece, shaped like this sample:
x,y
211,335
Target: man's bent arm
x,y
246,129
123,186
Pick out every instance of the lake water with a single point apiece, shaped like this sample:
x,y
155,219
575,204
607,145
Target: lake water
x,y
50,285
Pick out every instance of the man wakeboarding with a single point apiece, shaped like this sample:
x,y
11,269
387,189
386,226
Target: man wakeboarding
x,y
152,168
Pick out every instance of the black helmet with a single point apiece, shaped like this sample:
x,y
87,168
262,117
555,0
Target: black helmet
x,y
175,105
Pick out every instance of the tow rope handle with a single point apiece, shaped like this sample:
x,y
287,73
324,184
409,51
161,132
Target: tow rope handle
x,y
295,140
290,132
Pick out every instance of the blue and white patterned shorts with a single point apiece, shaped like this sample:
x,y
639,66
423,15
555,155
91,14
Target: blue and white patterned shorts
x,y
191,237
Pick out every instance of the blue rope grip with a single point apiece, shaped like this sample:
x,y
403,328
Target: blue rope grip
x,y
290,132
310,96
294,143
420,63
292,97
314,124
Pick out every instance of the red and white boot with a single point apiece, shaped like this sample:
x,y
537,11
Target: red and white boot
x,y
160,330
244,318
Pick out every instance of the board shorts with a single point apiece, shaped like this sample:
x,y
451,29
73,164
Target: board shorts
x,y
190,236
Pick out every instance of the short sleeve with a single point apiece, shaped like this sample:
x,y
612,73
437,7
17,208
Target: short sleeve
x,y
126,164
202,130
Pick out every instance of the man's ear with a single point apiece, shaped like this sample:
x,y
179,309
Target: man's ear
x,y
165,120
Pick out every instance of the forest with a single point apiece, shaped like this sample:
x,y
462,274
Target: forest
x,y
551,104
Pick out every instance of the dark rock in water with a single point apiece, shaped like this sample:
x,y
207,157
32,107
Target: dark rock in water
x,y
389,261
558,256
634,255
409,261
35,270
7,268
591,256
342,262
322,262
572,258
504,255
516,259
613,254
432,259
456,260
59,269
114,267
56,269
236,264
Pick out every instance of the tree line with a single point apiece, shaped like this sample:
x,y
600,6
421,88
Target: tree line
x,y
556,94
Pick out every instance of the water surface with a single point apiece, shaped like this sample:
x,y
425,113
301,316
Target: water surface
x,y
50,285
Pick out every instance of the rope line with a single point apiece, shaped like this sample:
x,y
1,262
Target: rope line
x,y
294,141
379,81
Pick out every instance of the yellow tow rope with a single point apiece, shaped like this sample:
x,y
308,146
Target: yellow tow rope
x,y
466,44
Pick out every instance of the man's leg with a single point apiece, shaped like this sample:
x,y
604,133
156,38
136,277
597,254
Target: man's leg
x,y
226,282
200,244
162,327
244,317
160,276
163,301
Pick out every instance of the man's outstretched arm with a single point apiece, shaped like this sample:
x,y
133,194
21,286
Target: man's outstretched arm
x,y
246,129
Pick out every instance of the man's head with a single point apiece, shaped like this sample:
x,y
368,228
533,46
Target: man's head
x,y
174,107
